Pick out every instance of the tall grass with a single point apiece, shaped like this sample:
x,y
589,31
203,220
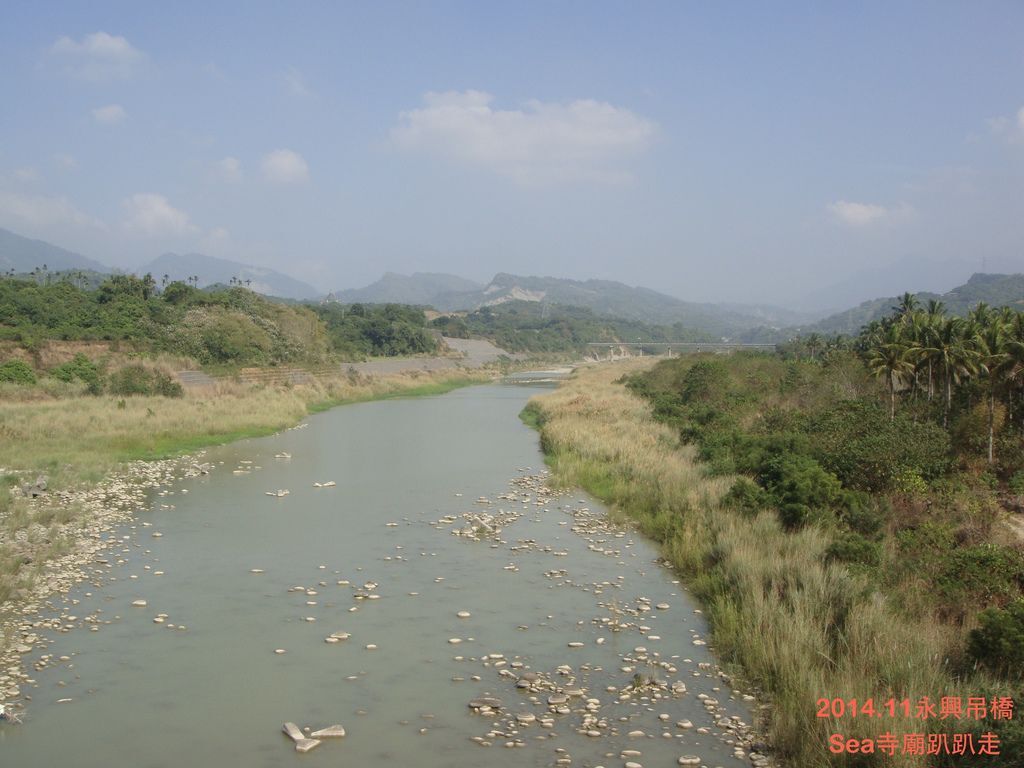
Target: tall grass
x,y
794,626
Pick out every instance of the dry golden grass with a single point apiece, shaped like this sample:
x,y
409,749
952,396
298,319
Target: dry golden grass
x,y
797,628
82,438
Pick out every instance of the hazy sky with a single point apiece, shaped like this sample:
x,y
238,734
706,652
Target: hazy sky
x,y
713,150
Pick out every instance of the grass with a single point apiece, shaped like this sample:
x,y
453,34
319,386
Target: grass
x,y
796,627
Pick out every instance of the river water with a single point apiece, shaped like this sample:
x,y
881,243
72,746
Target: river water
x,y
212,691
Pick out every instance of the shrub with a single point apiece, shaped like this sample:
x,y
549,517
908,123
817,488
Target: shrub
x,y
747,496
998,642
858,442
853,548
801,488
705,382
82,369
140,380
17,372
861,513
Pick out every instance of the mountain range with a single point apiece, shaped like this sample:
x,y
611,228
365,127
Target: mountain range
x,y
211,270
996,290
21,254
449,293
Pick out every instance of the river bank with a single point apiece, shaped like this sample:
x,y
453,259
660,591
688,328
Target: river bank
x,y
102,457
781,615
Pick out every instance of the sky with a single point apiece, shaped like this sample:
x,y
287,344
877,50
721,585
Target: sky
x,y
776,152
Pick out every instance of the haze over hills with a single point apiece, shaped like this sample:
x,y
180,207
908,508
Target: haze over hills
x,y
211,270
933,275
23,254
996,290
604,297
418,288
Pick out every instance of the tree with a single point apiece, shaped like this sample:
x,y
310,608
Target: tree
x,y
892,358
995,361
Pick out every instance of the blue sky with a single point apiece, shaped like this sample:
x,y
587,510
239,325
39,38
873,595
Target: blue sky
x,y
715,151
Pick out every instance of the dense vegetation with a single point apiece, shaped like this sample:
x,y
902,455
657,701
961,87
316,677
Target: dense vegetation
x,y
360,330
223,326
901,447
529,326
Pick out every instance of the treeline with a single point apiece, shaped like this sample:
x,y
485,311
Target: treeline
x,y
961,372
529,326
221,326
359,330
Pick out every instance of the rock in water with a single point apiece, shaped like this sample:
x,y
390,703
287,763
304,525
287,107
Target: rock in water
x,y
304,745
330,732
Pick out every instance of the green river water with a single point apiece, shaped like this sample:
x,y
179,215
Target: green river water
x,y
216,694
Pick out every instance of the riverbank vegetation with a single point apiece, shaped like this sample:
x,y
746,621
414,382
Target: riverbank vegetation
x,y
218,326
842,548
540,327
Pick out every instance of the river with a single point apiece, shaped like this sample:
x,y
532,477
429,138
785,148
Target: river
x,y
237,575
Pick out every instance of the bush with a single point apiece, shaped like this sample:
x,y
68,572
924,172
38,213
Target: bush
x,y
747,497
858,442
140,380
705,382
998,643
801,488
853,548
82,369
17,372
861,513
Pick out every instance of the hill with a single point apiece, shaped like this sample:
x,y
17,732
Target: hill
x,y
604,297
996,290
419,288
22,255
211,271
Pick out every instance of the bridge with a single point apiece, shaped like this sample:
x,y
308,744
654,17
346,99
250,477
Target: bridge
x,y
669,347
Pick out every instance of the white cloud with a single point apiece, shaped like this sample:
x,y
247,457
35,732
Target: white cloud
x,y
283,166
542,142
228,170
39,212
858,214
98,57
112,114
151,215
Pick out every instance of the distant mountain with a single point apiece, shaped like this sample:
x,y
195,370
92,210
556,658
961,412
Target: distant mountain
x,y
211,270
23,255
925,273
448,293
996,290
418,288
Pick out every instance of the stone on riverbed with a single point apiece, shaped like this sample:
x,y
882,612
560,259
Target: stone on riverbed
x,y
302,744
330,732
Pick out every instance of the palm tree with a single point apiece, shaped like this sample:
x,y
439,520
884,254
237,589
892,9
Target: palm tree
x,y
995,361
907,306
955,355
892,358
